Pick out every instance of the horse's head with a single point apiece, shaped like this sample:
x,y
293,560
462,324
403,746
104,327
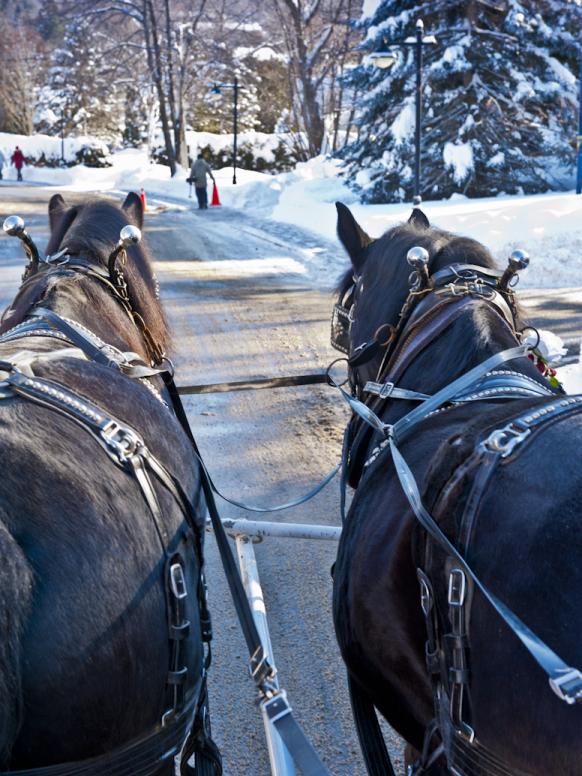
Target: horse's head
x,y
88,233
377,285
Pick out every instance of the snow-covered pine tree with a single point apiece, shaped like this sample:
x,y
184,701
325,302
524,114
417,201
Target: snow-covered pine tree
x,y
80,94
499,103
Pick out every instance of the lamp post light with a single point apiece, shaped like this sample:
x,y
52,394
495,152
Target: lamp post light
x,y
216,90
384,59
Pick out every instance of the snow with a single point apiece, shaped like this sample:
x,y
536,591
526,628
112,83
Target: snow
x,y
36,145
459,156
263,144
548,226
403,125
369,8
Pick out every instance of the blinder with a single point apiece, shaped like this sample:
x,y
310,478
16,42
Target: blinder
x,y
341,320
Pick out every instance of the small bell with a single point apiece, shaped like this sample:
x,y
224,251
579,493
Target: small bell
x,y
517,261
129,235
14,227
418,257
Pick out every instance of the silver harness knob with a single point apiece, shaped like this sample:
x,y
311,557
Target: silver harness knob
x,y
418,257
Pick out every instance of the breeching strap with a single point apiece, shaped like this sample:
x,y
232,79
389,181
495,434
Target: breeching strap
x,y
273,700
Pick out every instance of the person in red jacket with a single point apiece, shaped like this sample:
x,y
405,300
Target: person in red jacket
x,y
18,161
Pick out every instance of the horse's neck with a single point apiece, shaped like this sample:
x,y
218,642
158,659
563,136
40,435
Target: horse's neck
x,y
468,342
92,306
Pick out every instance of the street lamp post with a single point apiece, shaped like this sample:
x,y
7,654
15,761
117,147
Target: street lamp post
x,y
385,59
216,89
235,122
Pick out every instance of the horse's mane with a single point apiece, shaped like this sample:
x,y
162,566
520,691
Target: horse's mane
x,y
91,230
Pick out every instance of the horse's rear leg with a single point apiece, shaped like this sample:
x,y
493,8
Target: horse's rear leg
x,y
15,596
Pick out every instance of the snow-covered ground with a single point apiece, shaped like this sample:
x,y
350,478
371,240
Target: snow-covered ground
x,y
548,226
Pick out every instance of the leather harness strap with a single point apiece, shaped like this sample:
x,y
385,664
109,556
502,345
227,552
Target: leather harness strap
x,y
126,448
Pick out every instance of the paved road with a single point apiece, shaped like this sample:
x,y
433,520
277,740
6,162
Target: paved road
x,y
241,305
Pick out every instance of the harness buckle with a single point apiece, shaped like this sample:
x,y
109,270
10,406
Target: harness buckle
x,y
177,581
426,600
568,686
262,671
504,440
277,707
386,390
457,587
121,439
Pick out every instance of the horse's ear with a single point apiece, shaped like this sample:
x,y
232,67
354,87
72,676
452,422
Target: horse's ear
x,y
351,235
56,208
419,219
133,208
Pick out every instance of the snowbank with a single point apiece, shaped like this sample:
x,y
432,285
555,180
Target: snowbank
x,y
548,226
263,144
35,146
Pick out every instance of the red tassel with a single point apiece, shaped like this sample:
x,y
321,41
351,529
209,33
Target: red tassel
x,y
215,199
142,196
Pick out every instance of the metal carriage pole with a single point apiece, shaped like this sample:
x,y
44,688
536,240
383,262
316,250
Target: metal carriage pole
x,y
281,761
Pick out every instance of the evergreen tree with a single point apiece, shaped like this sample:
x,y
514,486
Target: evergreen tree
x,y
499,99
81,95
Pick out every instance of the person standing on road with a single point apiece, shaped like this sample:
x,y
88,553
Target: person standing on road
x,y
200,169
2,163
18,161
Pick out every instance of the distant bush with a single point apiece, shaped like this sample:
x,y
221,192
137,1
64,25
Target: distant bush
x,y
280,157
93,156
89,155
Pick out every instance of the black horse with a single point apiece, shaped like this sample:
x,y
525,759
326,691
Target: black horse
x,y
101,654
442,666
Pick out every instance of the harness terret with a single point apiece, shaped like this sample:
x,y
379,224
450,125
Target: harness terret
x,y
443,297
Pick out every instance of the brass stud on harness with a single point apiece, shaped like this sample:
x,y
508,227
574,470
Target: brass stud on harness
x,y
517,261
418,257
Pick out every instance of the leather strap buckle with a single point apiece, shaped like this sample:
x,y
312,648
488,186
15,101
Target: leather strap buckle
x,y
177,581
457,587
568,686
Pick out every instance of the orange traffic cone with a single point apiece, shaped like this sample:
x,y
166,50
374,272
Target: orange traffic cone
x,y
215,199
144,202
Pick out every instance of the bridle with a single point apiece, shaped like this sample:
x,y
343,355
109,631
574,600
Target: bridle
x,y
67,263
427,296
